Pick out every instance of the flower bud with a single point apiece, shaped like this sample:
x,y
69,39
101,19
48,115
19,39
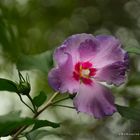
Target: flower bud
x,y
24,88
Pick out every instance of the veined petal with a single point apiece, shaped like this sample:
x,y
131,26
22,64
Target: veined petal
x,y
71,46
88,49
110,51
113,73
54,79
61,78
95,100
60,55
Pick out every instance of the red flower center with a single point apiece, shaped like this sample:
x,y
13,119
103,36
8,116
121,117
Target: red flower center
x,y
83,72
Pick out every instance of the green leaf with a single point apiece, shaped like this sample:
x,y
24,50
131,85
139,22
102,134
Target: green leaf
x,y
44,123
10,122
43,62
7,85
129,112
40,99
37,134
133,49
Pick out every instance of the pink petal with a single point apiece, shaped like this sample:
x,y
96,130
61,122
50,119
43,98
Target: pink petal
x,y
88,49
71,46
110,51
61,78
95,100
113,73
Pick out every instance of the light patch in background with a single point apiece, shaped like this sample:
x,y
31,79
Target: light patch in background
x,y
132,8
6,138
127,37
22,2
103,31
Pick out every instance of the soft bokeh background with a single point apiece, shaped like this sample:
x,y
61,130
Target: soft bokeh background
x,y
31,27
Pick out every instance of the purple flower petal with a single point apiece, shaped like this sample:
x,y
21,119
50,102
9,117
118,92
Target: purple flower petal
x,y
54,79
71,46
113,73
61,78
110,51
95,100
60,55
88,49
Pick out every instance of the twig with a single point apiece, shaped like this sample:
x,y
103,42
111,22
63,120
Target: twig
x,y
47,105
59,100
25,103
71,107
35,116
35,110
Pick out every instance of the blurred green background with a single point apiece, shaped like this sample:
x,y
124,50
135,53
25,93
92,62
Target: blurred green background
x,y
31,28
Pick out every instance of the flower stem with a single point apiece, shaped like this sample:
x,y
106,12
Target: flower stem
x,y
71,107
59,100
35,110
25,103
35,116
47,105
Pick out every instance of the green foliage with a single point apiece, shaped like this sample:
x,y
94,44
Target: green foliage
x,y
37,134
129,112
40,99
43,62
44,123
133,49
7,85
12,121
134,80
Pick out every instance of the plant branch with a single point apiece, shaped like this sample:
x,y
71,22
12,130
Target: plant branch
x,y
59,100
71,107
25,103
35,116
47,105
35,110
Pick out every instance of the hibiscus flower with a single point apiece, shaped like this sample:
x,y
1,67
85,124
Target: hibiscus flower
x,y
83,62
